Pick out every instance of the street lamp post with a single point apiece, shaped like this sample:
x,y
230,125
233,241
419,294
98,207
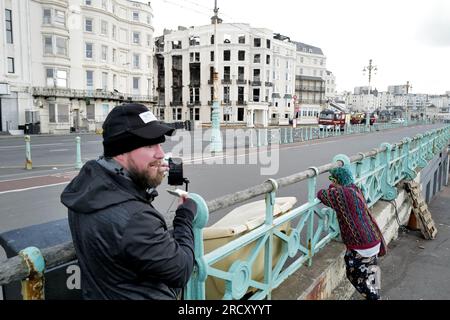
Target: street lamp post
x,y
408,86
216,137
369,69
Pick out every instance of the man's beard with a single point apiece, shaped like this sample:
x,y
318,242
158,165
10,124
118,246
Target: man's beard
x,y
143,178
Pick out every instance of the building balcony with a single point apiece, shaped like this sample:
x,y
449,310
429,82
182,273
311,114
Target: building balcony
x,y
47,92
194,83
311,101
255,83
226,81
241,103
225,102
176,103
194,104
241,81
268,84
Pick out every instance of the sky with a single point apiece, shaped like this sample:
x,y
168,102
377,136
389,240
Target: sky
x,y
407,40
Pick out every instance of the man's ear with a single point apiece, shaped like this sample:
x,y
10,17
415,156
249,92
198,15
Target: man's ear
x,y
122,159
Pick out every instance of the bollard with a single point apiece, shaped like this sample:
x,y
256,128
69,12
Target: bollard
x,y
28,162
78,163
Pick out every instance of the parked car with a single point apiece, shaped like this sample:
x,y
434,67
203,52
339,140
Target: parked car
x,y
398,120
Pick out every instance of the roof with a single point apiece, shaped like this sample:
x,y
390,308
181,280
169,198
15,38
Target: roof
x,y
308,48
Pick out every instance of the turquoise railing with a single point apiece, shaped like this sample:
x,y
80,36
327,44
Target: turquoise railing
x,y
311,226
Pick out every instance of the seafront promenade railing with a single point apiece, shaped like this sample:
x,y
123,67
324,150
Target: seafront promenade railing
x,y
285,242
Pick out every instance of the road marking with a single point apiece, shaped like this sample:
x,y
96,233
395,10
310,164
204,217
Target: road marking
x,y
32,145
37,187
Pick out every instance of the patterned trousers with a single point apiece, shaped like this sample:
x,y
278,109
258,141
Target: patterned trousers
x,y
364,274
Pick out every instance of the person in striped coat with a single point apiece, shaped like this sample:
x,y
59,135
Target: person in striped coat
x,y
359,232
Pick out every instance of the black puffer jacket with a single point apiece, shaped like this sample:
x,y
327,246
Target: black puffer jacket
x,y
124,248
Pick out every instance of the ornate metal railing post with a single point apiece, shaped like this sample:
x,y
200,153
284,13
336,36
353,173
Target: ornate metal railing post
x,y
195,289
311,196
268,252
389,192
407,169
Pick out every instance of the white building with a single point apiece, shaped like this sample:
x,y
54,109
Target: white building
x,y
310,82
256,74
330,85
83,58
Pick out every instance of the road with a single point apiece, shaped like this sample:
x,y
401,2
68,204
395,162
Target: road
x,y
34,200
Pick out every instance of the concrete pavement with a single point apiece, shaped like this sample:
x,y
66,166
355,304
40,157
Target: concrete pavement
x,y
416,268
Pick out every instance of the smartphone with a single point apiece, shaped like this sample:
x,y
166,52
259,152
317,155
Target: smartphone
x,y
177,192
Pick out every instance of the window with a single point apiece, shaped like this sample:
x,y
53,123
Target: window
x,y
47,17
8,24
241,72
194,41
48,45
197,114
194,95
135,16
257,42
114,55
176,44
61,78
88,25
211,54
105,109
56,77
212,39
114,81
60,18
104,28
114,32
104,5
241,55
256,95
89,80
61,46
149,19
149,62
256,75
226,38
226,55
257,58
240,114
301,59
226,73
136,38
241,38
88,2
241,94
149,40
104,81
136,61
194,56
226,94
63,113
50,80
89,50
267,59
268,43
11,65
90,112
51,113
176,113
136,83
104,53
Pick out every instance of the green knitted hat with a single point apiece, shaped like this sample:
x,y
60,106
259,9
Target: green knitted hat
x,y
342,175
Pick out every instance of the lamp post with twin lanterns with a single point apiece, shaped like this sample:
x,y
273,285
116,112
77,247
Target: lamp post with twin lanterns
x,y
369,69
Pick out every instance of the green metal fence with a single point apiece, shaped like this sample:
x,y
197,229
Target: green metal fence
x,y
311,227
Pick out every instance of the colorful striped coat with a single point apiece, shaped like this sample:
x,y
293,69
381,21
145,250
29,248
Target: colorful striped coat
x,y
358,229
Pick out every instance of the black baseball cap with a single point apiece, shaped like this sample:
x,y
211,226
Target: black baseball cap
x,y
131,126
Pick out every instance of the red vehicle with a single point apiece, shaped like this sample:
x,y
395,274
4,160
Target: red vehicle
x,y
329,119
360,118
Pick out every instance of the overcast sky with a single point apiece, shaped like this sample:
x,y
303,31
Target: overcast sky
x,y
408,40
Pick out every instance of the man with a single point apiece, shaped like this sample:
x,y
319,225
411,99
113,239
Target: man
x,y
359,232
122,242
